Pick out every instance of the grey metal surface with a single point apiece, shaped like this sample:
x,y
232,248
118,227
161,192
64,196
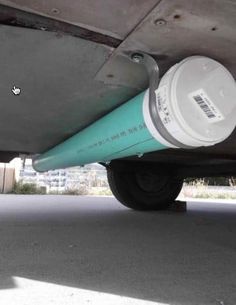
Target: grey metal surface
x,y
58,93
173,31
114,18
16,17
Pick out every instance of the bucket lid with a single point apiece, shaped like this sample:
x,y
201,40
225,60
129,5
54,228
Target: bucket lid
x,y
203,99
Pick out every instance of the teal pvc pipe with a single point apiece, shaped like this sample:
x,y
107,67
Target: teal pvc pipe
x,y
121,133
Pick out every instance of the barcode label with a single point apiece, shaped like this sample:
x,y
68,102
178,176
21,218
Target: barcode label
x,y
204,106
207,106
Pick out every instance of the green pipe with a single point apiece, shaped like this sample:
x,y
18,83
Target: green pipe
x,y
121,133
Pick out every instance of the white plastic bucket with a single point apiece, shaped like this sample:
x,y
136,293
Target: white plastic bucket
x,y
196,102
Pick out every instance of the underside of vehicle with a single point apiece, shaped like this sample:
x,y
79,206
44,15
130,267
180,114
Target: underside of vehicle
x,y
67,59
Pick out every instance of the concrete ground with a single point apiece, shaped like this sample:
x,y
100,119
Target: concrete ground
x,y
90,250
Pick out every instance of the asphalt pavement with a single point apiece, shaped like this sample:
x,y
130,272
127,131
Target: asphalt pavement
x,y
92,250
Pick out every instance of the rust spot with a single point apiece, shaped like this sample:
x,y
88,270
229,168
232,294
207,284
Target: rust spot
x,y
214,28
177,16
55,11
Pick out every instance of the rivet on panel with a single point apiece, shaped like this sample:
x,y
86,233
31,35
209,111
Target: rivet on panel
x,y
55,11
159,22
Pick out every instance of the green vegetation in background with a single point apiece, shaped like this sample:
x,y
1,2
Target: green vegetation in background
x,y
215,181
28,188
32,188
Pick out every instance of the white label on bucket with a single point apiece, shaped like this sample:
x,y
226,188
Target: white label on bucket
x,y
164,111
162,106
212,113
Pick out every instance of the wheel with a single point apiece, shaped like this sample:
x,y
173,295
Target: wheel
x,y
144,190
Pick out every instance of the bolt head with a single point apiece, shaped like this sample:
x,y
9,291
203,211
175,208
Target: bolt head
x,y
137,58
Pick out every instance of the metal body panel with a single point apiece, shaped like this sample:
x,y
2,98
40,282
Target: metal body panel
x,y
114,18
59,95
16,17
172,31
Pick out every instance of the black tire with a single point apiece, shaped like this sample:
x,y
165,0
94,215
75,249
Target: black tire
x,y
144,190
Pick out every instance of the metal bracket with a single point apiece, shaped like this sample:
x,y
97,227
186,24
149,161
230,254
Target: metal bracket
x,y
154,78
